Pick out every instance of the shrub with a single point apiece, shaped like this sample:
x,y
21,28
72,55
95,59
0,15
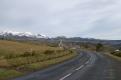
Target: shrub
x,y
27,54
49,52
33,53
11,55
53,45
70,51
60,51
116,53
112,52
99,47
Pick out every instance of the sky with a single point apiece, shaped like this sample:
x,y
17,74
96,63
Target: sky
x,y
100,19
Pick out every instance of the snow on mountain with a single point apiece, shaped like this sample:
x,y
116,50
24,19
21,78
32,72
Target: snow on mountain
x,y
28,34
41,36
20,34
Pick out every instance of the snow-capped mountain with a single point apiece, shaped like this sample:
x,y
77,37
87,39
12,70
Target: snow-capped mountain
x,y
41,36
21,34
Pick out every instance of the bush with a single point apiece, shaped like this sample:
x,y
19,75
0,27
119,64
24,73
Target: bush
x,y
49,52
53,45
59,51
117,53
112,52
11,55
99,47
71,51
27,54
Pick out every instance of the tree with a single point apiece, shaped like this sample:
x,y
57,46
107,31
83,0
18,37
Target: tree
x,y
99,46
120,48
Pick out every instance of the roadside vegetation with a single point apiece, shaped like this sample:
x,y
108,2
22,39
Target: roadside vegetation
x,y
108,49
18,58
116,53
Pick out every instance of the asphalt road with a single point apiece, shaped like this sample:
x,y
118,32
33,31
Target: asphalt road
x,y
86,66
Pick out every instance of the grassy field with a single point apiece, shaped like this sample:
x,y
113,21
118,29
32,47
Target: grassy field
x,y
17,58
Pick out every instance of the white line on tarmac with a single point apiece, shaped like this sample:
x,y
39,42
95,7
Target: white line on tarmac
x,y
65,76
80,67
87,62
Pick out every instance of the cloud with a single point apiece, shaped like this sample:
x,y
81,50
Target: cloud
x,y
84,18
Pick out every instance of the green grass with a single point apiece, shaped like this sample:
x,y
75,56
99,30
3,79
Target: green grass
x,y
7,74
17,58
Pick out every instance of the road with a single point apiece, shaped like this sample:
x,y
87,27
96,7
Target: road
x,y
86,66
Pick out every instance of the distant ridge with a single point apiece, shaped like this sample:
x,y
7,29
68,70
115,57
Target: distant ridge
x,y
12,35
21,34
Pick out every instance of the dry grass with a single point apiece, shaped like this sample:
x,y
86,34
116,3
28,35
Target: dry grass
x,y
19,48
113,56
27,57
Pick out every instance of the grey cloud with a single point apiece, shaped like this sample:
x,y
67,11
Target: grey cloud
x,y
87,18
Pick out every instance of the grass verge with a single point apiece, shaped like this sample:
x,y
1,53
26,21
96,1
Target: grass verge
x,y
18,58
44,64
113,56
7,74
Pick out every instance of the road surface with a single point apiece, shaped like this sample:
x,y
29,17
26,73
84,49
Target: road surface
x,y
86,66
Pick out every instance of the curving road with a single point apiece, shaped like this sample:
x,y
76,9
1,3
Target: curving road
x,y
86,66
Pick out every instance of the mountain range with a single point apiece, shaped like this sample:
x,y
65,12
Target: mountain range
x,y
21,34
11,35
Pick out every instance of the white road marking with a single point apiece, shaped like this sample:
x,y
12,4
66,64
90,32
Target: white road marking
x,y
87,62
65,76
80,67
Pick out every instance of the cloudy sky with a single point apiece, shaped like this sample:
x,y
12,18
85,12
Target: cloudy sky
x,y
83,18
